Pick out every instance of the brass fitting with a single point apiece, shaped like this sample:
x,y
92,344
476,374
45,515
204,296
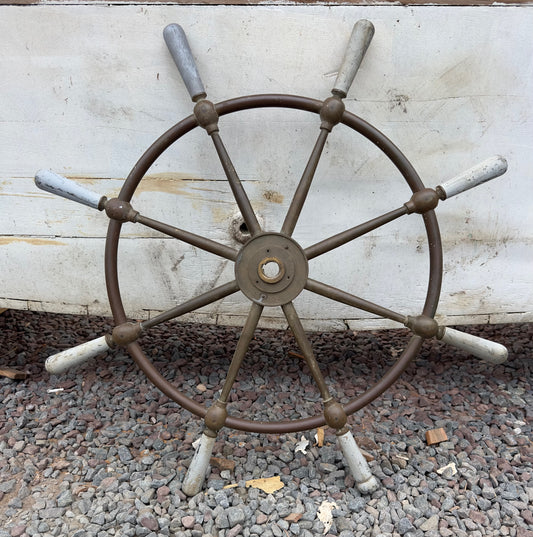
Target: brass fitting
x,y
216,416
334,414
423,326
422,201
331,112
206,115
126,333
121,211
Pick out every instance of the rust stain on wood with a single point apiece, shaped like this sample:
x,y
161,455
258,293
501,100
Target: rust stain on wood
x,y
273,196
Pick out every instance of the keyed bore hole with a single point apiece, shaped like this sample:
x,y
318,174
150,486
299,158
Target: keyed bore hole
x,y
239,230
271,269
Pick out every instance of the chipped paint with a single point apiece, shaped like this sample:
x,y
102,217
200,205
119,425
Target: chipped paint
x,y
30,240
168,182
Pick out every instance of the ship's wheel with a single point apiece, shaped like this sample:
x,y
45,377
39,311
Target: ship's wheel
x,y
271,269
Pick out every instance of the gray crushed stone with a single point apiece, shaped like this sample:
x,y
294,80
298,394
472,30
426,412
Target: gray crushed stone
x,y
106,455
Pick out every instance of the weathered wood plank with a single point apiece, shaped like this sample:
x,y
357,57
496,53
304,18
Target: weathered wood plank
x,y
156,274
91,86
278,3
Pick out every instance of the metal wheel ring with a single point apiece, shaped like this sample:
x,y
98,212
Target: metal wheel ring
x,y
273,101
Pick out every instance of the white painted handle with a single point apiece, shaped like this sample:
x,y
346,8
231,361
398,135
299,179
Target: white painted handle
x,y
194,480
362,34
489,351
60,362
483,172
180,50
366,482
66,188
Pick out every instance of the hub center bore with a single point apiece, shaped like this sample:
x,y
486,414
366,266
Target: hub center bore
x,y
271,269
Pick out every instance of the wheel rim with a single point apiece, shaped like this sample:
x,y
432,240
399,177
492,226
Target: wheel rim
x,y
291,102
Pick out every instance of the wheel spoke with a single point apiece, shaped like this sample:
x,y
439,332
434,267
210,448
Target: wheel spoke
x,y
240,351
195,303
236,186
305,346
350,234
190,238
302,190
351,300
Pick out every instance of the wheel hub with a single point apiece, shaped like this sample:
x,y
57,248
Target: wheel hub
x,y
271,269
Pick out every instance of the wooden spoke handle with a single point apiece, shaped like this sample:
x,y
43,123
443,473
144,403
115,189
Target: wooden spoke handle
x,y
64,360
362,34
66,188
488,351
178,46
479,174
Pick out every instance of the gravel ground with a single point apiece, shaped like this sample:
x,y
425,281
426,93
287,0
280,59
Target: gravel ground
x,y
107,452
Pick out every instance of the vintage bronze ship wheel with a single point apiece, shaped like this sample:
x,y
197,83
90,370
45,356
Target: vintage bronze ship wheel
x,y
271,268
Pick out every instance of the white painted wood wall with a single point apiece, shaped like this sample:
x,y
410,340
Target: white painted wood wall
x,y
85,89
